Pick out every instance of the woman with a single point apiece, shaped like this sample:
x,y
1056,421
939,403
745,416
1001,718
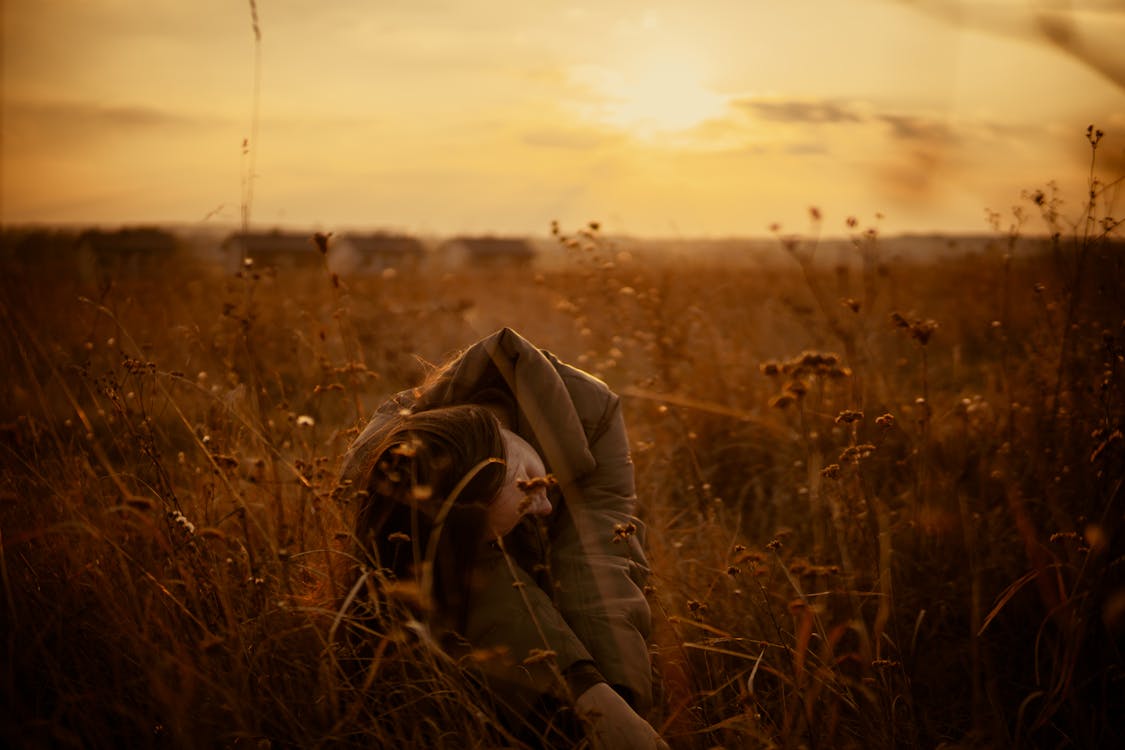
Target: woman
x,y
447,478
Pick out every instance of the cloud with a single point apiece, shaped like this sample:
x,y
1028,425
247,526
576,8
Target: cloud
x,y
916,128
29,123
799,111
906,155
99,115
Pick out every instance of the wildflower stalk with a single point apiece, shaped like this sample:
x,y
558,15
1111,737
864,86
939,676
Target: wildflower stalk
x,y
925,417
345,327
250,145
1082,249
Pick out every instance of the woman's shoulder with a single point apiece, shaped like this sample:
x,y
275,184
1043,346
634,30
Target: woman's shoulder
x,y
594,401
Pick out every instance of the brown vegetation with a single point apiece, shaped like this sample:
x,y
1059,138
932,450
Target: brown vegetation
x,y
883,500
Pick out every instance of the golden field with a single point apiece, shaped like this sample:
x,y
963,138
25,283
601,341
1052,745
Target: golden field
x,y
882,494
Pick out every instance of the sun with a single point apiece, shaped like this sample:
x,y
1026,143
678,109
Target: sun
x,y
654,96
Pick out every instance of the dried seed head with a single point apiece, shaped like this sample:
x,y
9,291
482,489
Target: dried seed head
x,y
809,363
848,416
538,655
623,531
178,518
856,453
922,330
919,330
814,360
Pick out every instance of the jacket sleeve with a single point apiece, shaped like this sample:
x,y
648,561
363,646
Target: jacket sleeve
x,y
599,565
511,615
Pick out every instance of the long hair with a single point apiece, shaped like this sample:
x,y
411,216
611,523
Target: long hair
x,y
423,513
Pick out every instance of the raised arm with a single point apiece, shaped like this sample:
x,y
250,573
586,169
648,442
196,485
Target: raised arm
x,y
599,564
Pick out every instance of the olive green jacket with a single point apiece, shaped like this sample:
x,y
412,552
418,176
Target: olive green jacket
x,y
558,598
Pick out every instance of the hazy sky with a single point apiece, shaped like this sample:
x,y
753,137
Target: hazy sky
x,y
661,118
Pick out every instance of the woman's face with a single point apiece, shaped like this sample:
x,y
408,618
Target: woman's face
x,y
512,503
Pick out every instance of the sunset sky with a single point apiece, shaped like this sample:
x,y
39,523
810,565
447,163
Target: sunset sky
x,y
711,118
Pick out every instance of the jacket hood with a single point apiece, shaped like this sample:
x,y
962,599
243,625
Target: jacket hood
x,y
547,405
546,417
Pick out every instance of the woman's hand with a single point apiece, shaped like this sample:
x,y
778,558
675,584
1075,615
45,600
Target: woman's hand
x,y
612,724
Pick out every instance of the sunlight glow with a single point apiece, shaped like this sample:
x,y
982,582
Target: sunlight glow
x,y
652,96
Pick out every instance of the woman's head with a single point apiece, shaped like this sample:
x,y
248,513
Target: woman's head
x,y
519,495
450,472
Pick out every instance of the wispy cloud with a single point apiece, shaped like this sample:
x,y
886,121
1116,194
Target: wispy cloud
x,y
918,129
903,155
800,111
78,114
31,124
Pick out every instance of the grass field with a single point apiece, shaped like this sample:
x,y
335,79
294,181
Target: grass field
x,y
883,496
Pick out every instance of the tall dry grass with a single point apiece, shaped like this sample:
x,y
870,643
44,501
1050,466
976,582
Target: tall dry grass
x,y
883,496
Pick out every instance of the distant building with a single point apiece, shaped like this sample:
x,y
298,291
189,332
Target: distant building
x,y
375,253
274,248
130,251
40,246
486,252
